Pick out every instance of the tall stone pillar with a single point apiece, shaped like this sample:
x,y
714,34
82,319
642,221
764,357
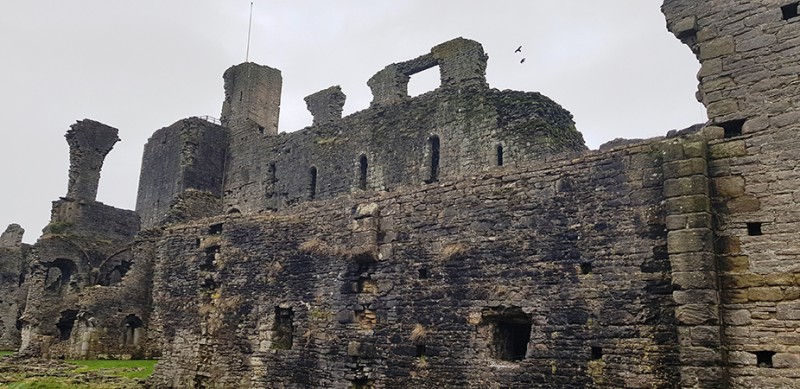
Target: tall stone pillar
x,y
89,143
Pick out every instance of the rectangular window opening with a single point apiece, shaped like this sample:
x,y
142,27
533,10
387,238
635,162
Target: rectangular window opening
x,y
733,127
215,229
764,358
511,340
754,229
597,353
586,268
283,329
420,350
790,11
363,383
423,273
424,81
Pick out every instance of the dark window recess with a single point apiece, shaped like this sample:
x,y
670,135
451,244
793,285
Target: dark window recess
x,y
790,11
234,211
273,173
362,170
241,95
66,323
499,155
363,384
511,340
283,329
732,128
312,188
597,353
433,149
131,335
261,130
586,268
423,273
420,350
215,229
764,358
208,263
754,229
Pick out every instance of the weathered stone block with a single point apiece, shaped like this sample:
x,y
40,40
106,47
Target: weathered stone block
x,y
688,204
697,296
738,317
770,293
743,204
691,220
689,240
697,314
686,186
727,149
729,186
685,168
786,360
694,280
788,310
735,263
691,262
717,47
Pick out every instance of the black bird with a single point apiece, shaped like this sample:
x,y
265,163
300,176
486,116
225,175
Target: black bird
x,y
518,50
522,60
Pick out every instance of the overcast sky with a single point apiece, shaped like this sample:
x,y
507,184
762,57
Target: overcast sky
x,y
142,65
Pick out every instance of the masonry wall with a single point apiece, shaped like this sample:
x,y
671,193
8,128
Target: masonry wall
x,y
14,257
748,82
395,144
575,248
188,155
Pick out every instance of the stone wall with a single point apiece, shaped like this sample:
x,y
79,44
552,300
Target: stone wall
x,y
13,273
433,285
749,83
188,155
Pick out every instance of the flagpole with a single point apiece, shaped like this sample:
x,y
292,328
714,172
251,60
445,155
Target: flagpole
x,y
249,28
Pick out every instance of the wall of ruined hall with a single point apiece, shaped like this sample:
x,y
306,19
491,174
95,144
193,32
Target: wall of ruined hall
x,y
578,246
14,257
391,140
87,281
749,83
394,140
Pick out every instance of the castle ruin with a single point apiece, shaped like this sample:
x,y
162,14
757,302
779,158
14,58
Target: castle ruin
x,y
461,238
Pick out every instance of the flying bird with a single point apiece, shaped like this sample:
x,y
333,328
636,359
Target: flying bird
x,y
522,60
518,50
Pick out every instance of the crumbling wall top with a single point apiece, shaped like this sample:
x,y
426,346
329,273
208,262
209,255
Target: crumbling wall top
x,y
326,105
89,143
462,62
12,237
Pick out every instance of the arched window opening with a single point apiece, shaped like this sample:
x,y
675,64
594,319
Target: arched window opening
x,y
499,155
362,169
312,190
133,330
433,149
65,323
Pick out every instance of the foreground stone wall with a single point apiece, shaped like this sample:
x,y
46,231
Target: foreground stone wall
x,y
430,286
748,82
14,257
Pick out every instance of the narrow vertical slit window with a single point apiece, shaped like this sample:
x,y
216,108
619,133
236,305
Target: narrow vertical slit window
x,y
499,155
433,148
312,189
362,171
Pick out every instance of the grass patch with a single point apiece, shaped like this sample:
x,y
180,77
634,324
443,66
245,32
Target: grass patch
x,y
118,368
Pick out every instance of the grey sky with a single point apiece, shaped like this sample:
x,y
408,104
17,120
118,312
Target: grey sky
x,y
142,65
